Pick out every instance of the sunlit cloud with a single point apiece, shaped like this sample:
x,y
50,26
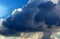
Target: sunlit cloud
x,y
16,10
55,1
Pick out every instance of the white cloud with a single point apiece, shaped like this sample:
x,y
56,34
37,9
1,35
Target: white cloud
x,y
16,11
53,37
55,1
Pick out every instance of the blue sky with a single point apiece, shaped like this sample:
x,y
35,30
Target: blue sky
x,y
7,6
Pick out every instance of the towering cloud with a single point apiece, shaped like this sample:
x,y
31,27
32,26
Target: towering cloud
x,y
34,17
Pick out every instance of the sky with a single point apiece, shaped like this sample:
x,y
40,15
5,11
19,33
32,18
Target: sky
x,y
7,6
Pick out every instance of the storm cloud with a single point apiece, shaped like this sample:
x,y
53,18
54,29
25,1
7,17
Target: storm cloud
x,y
33,17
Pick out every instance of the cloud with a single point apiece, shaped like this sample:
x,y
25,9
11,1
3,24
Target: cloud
x,y
55,1
16,11
45,8
30,18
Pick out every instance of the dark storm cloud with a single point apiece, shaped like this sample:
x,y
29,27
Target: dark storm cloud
x,y
47,14
9,32
45,8
30,18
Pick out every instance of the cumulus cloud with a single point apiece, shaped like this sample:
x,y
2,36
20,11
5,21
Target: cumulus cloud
x,y
33,17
